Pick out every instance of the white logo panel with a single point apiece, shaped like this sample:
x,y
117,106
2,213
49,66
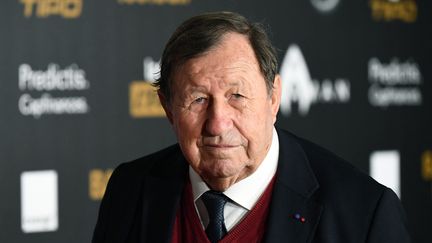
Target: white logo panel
x,y
385,168
39,201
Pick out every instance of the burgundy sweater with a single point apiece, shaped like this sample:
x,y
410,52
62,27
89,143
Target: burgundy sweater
x,y
188,228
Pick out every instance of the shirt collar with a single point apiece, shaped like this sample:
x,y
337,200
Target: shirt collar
x,y
256,182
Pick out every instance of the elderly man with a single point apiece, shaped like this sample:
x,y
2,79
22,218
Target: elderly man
x,y
233,177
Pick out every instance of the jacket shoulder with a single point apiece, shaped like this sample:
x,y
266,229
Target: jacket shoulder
x,y
355,205
335,172
146,163
124,191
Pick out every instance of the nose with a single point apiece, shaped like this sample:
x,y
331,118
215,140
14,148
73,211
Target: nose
x,y
219,116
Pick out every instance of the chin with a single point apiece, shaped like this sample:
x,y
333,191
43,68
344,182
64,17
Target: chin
x,y
221,169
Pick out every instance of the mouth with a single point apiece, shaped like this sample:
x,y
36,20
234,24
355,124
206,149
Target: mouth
x,y
219,143
219,146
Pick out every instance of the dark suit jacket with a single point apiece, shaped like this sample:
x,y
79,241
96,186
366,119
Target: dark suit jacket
x,y
340,203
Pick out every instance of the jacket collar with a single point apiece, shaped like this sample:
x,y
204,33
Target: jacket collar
x,y
294,170
292,195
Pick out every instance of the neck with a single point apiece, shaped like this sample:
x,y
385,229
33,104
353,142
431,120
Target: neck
x,y
222,184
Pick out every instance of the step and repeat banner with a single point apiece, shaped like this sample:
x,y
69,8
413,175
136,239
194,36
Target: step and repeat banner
x,y
76,98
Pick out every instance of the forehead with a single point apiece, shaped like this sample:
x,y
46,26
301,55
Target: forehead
x,y
232,56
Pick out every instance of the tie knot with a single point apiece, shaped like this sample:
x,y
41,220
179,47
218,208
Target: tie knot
x,y
214,202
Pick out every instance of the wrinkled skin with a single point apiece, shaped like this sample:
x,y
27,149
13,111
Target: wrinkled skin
x,y
222,112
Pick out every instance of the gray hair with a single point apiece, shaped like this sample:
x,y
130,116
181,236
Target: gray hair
x,y
199,34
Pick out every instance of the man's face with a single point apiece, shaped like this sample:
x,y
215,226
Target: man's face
x,y
221,112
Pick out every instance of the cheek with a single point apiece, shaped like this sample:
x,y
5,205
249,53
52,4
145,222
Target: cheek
x,y
255,125
188,133
187,128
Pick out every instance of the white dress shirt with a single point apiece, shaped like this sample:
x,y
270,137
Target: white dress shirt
x,y
244,193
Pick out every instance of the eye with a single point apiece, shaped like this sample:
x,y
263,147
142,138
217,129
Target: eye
x,y
198,104
199,100
237,96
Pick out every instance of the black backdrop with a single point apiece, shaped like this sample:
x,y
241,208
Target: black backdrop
x,y
75,99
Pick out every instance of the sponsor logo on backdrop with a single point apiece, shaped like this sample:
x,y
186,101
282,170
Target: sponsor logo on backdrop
x,y
38,86
389,10
325,6
154,2
39,201
98,180
395,83
384,167
426,167
299,87
151,69
143,98
68,9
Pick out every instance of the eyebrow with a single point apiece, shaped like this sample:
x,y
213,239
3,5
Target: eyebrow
x,y
191,87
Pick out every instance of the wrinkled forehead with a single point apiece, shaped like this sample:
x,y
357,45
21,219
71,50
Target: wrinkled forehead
x,y
232,54
181,58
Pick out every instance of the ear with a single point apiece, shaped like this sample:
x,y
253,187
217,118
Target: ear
x,y
276,96
166,106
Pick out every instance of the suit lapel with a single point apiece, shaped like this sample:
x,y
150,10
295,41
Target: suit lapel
x,y
160,209
161,197
292,194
